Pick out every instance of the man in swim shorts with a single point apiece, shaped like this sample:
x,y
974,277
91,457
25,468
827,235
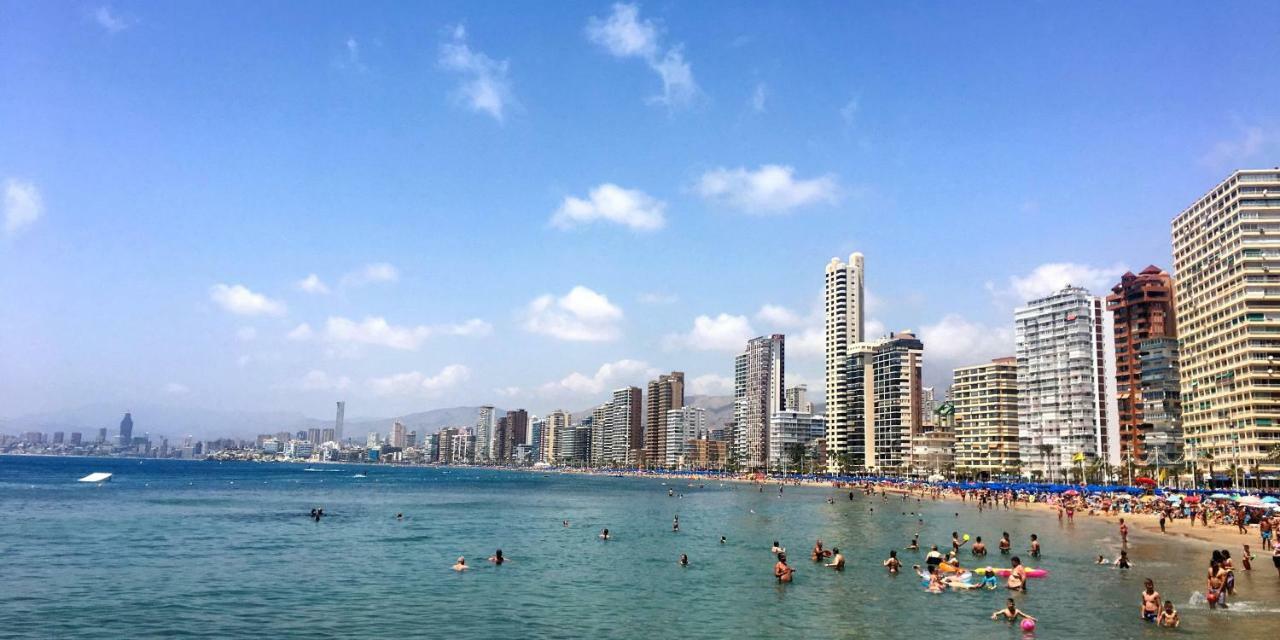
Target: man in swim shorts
x,y
1150,601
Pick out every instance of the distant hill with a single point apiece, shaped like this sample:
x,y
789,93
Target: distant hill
x,y
719,408
424,422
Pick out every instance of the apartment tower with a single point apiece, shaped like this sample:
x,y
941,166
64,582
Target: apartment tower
x,y
1142,309
844,303
665,393
985,402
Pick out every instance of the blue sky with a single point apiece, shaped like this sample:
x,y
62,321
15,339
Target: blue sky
x,y
530,204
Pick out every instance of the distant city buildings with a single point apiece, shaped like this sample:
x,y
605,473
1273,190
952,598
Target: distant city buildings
x,y
759,381
665,394
985,404
1142,309
683,425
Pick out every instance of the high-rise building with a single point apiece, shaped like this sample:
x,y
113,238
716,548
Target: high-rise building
x,y
760,378
1067,415
102,435
1161,402
372,442
313,436
1226,256
601,447
624,430
444,443
1142,308
58,437
557,424
797,399
665,393
486,429
537,437
844,299
793,435
397,434
516,432
328,435
984,398
683,425
126,431
75,438
338,420
883,404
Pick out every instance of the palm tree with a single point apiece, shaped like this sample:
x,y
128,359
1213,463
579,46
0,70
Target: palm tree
x,y
1207,457
1045,451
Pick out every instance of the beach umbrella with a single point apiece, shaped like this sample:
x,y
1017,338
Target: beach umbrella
x,y
1193,499
1070,492
1144,480
1251,501
1271,500
1219,496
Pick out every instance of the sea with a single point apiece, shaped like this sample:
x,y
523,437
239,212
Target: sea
x,y
203,549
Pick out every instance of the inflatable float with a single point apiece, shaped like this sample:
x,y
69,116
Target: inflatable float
x,y
1004,573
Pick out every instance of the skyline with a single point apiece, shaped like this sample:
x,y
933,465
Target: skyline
x,y
171,244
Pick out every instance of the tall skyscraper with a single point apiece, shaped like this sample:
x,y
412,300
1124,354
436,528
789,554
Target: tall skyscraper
x,y
601,447
1162,437
313,436
665,393
516,433
1067,415
624,430
553,449
985,401
760,378
397,434
883,404
486,430
102,435
844,302
338,420
683,424
126,430
537,438
1226,256
1142,308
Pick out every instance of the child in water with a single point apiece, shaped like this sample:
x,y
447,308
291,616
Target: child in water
x,y
1168,616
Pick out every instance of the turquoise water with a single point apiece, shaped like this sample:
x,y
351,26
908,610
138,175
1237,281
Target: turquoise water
x,y
203,549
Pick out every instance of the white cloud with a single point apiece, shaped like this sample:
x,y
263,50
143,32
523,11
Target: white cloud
x,y
770,189
415,383
1251,143
109,21
377,331
301,332
873,328
711,385
758,97
625,35
655,297
609,202
176,389
374,273
317,380
810,341
239,300
509,392
22,205
246,334
313,284
609,376
1053,276
954,342
485,87
580,315
849,111
778,316
721,333
350,59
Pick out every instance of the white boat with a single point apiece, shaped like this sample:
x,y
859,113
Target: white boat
x,y
359,475
97,477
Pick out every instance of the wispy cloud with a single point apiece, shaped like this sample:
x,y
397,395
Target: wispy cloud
x,y
110,21
769,189
350,59
758,97
313,284
317,380
415,383
485,87
849,112
375,273
582,315
376,331
723,332
1052,276
22,205
610,375
630,208
623,34
240,300
1249,144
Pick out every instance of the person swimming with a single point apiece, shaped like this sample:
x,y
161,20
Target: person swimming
x,y
684,560
497,558
1122,562
1102,560
915,543
892,563
461,564
782,571
722,540
675,525
837,559
399,516
777,548
604,535
1011,613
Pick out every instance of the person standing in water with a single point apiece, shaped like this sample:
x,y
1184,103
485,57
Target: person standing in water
x,y
1035,546
1017,576
1005,544
497,558
675,525
461,564
777,548
1150,601
1168,616
1011,612
837,559
684,560
782,571
1124,533
892,563
604,535
979,548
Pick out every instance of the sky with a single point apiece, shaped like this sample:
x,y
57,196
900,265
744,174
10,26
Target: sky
x,y
273,206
